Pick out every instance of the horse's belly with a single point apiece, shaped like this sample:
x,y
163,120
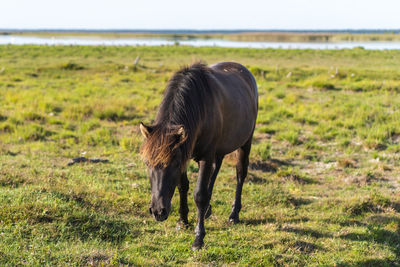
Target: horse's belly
x,y
235,137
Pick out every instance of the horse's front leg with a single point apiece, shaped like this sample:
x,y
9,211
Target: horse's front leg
x,y
183,207
201,197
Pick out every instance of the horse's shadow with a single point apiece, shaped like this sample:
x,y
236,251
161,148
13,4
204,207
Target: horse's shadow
x,y
87,226
306,232
375,262
378,234
257,221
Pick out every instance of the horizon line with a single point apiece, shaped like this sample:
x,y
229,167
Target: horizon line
x,y
199,31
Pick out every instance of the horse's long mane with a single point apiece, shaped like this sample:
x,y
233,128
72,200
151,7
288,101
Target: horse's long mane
x,y
186,98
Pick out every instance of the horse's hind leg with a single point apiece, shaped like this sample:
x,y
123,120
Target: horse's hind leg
x,y
218,162
241,173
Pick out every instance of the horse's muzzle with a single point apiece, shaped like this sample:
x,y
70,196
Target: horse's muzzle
x,y
159,214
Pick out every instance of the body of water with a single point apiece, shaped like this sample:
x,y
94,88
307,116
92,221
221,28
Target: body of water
x,y
88,40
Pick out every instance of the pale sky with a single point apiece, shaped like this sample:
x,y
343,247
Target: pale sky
x,y
200,14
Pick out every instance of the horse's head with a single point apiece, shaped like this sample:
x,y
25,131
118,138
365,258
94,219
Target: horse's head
x,y
163,156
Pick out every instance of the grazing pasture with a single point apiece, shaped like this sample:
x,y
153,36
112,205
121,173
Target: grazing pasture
x,y
323,186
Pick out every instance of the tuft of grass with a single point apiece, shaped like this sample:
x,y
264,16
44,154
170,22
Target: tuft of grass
x,y
323,85
72,66
374,203
33,116
263,151
347,163
291,136
6,127
257,71
35,132
277,195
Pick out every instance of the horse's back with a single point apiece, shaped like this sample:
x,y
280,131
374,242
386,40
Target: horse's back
x,y
239,97
238,69
236,77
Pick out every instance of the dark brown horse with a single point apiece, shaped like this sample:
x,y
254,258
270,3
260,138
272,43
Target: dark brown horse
x,y
206,113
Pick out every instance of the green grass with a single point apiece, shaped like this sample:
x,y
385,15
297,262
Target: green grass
x,y
323,186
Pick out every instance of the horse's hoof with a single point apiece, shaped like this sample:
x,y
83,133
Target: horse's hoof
x,y
182,225
233,220
197,244
208,212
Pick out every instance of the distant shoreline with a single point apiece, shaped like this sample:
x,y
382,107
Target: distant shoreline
x,y
194,31
296,36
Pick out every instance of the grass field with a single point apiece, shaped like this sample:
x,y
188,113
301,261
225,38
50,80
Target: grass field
x,y
323,185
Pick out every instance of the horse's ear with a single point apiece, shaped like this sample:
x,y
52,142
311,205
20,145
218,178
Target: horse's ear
x,y
146,130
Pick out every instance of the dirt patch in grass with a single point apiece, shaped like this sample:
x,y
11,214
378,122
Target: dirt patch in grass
x,y
96,259
252,178
297,178
366,179
270,165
